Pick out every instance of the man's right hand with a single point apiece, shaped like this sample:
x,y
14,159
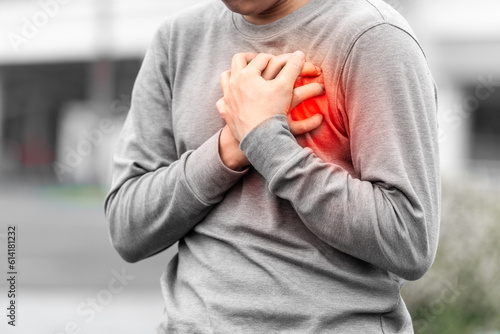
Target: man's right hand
x,y
229,149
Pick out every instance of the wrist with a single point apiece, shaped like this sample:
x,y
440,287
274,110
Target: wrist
x,y
230,152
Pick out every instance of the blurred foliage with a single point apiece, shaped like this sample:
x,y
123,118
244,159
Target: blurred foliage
x,y
460,293
81,195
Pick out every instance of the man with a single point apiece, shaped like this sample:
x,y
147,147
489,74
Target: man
x,y
280,233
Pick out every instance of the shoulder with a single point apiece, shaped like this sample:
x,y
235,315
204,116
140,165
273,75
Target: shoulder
x,y
372,21
386,56
374,32
184,30
386,47
193,21
383,58
360,15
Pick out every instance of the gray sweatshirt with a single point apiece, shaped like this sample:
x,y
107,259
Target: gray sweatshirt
x,y
322,231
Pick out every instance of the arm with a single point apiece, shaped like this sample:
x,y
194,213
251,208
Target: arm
x,y
157,197
389,216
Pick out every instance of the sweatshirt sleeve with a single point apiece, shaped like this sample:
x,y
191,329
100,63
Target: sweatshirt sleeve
x,y
157,197
389,215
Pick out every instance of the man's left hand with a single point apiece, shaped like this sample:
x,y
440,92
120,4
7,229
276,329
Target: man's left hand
x,y
249,99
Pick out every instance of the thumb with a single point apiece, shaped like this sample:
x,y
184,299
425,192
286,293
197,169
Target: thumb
x,y
292,69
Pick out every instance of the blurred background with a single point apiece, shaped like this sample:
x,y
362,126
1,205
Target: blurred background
x,y
66,73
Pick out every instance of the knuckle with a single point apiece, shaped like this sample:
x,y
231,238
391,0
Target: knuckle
x,y
272,63
297,95
245,73
276,59
264,55
318,87
284,87
284,58
296,61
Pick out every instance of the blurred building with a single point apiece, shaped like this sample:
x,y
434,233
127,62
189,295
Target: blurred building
x,y
68,66
462,40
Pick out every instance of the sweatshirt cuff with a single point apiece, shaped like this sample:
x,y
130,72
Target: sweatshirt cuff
x,y
206,174
270,146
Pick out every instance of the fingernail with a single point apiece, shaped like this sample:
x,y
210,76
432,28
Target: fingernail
x,y
300,54
318,69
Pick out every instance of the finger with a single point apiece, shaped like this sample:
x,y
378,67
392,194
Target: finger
x,y
240,61
220,106
310,70
224,81
259,63
277,63
302,93
306,125
225,115
292,69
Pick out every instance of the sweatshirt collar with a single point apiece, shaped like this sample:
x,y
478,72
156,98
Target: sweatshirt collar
x,y
257,32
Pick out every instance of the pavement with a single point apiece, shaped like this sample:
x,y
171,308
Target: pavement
x,y
70,279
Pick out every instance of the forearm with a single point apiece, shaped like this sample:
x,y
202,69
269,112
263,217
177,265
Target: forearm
x,y
149,210
230,152
373,221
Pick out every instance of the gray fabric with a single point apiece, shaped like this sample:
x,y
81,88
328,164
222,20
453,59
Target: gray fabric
x,y
324,229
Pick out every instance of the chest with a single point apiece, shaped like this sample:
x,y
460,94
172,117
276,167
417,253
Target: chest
x,y
196,89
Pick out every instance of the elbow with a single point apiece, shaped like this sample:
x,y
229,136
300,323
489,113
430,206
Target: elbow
x,y
414,268
120,234
417,246
127,253
415,259
123,243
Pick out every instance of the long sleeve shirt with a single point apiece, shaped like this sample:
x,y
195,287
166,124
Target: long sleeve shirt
x,y
324,229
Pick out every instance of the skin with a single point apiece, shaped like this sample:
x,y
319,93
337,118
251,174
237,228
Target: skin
x,y
261,12
264,11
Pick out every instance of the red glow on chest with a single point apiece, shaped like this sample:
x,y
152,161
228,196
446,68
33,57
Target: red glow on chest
x,y
328,141
312,106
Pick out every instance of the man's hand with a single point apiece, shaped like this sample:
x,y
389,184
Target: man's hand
x,y
249,98
229,150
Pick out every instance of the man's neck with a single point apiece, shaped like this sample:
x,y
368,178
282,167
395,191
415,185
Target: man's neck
x,y
281,9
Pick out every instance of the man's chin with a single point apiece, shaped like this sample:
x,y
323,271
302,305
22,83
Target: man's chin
x,y
243,7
